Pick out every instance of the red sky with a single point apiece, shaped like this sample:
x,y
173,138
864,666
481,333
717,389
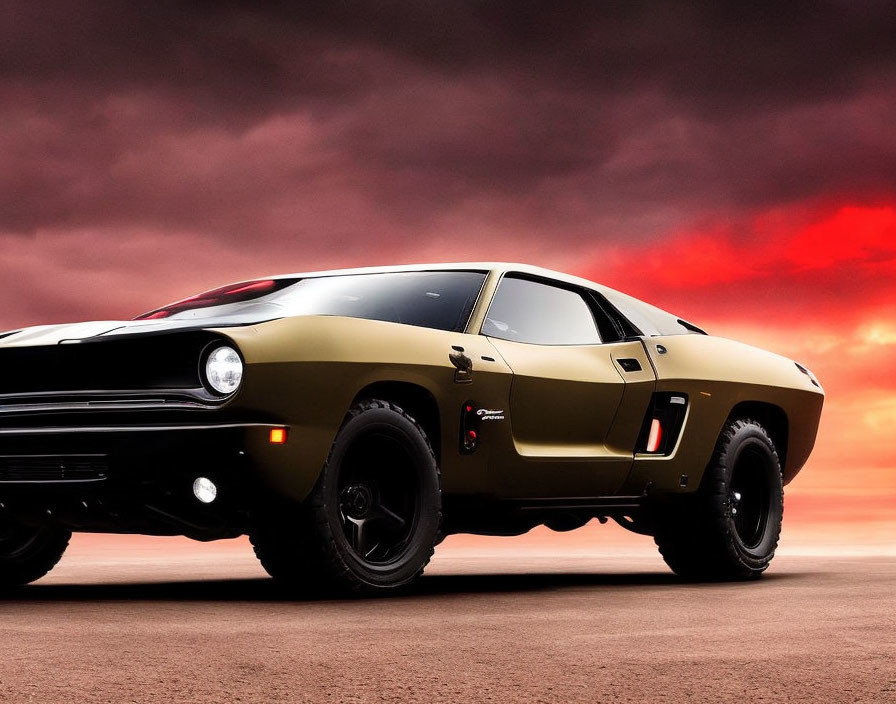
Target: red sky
x,y
817,285
736,165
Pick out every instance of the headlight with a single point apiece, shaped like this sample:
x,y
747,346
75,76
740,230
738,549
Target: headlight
x,y
223,370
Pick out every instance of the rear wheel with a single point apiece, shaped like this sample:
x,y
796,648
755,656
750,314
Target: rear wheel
x,y
730,528
372,520
27,553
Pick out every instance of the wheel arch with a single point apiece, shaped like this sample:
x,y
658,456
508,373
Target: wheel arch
x,y
416,400
773,418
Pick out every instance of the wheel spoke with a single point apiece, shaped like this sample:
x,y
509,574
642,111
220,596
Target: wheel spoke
x,y
377,501
360,536
384,513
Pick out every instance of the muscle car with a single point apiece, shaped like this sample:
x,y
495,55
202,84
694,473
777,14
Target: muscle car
x,y
347,421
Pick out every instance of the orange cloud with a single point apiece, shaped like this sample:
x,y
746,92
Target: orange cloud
x,y
851,234
774,248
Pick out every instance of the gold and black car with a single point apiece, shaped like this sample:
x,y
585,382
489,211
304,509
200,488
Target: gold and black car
x,y
348,420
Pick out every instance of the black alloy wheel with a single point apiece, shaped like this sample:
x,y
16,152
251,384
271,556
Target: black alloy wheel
x,y
378,498
751,496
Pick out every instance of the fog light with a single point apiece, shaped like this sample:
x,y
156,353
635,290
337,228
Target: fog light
x,y
204,490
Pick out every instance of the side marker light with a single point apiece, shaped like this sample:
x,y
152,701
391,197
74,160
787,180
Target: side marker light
x,y
278,436
656,435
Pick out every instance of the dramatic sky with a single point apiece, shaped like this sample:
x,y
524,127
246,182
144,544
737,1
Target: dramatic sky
x,y
735,164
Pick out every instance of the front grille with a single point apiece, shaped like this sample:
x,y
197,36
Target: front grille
x,y
53,468
189,399
118,363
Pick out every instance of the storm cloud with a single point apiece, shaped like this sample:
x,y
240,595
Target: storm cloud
x,y
370,129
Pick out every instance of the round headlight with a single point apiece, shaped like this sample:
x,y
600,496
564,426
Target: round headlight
x,y
224,370
204,490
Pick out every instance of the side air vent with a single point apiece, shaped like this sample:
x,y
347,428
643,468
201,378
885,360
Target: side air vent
x,y
662,424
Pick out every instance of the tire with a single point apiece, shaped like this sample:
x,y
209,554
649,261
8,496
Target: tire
x,y
27,553
729,530
372,520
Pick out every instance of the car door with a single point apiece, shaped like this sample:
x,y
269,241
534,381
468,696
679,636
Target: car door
x,y
577,401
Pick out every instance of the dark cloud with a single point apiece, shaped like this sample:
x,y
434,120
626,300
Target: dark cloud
x,y
381,130
281,51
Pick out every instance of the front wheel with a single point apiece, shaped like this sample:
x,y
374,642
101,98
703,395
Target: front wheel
x,y
729,530
27,553
373,518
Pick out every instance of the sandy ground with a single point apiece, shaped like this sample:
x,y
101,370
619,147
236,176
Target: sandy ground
x,y
526,620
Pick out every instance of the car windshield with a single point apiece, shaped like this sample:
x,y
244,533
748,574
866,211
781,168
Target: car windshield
x,y
434,299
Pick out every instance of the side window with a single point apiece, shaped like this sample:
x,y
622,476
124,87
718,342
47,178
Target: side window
x,y
541,314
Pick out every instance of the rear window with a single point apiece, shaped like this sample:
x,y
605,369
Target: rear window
x,y
650,320
541,314
226,295
442,300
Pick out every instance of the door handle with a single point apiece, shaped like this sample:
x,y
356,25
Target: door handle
x,y
463,365
629,365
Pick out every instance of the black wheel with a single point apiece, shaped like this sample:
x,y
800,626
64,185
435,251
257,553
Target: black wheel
x,y
373,518
730,528
27,553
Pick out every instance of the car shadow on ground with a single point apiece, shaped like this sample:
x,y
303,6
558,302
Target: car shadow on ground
x,y
266,590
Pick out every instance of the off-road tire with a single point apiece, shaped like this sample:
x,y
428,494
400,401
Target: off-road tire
x,y
304,546
27,553
701,537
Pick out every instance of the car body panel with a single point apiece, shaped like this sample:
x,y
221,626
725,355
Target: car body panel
x,y
565,420
570,406
347,355
718,375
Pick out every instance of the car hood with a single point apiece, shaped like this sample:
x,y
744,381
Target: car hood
x,y
71,333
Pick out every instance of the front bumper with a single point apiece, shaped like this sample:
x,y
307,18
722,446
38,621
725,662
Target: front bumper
x,y
134,478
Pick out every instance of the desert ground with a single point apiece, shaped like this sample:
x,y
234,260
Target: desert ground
x,y
531,619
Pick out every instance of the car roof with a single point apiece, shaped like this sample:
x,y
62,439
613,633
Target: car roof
x,y
648,318
496,267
